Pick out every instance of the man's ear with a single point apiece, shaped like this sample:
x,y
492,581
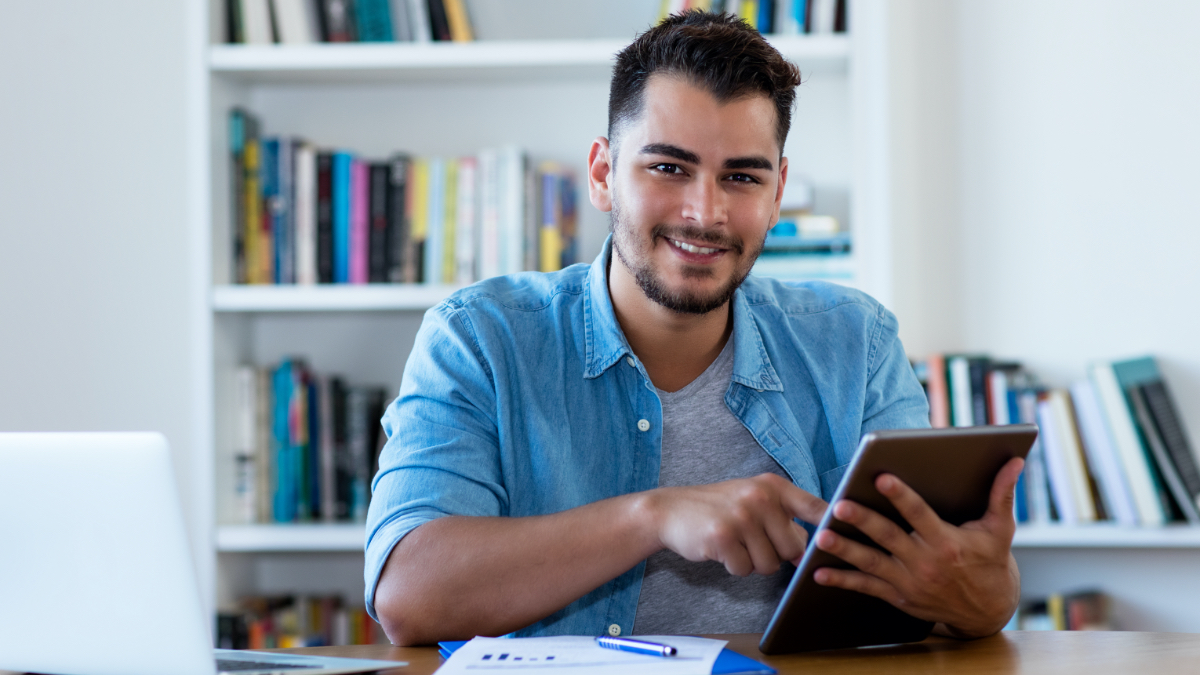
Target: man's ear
x,y
600,175
783,170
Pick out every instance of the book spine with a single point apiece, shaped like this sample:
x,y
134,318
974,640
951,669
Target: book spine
x,y
374,20
1036,484
1170,428
401,21
359,221
449,220
357,440
1129,448
1079,474
459,23
960,391
550,241
325,218
245,480
399,220
489,204
343,468
418,14
285,479
1170,476
312,461
328,484
306,214
570,218
338,20
269,172
379,246
1101,454
237,147
419,201
1056,470
283,221
263,448
341,217
434,200
977,370
512,223
939,402
467,219
438,21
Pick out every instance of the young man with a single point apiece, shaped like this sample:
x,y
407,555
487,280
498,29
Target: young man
x,y
625,448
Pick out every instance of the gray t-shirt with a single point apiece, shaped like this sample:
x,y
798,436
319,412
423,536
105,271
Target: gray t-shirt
x,y
704,443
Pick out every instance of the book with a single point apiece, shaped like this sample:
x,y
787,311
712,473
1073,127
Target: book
x,y
977,369
1134,461
1170,429
938,392
513,165
1101,454
1064,461
402,29
459,23
237,147
959,379
1036,485
324,203
1170,476
283,213
306,214
285,479
489,214
379,246
359,222
449,201
340,204
268,240
373,20
245,479
467,216
233,23
293,21
337,20
439,22
401,266
418,234
435,203
418,18
256,22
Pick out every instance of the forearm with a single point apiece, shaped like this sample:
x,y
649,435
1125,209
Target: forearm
x,y
458,577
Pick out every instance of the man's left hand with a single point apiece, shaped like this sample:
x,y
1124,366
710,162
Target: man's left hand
x,y
964,577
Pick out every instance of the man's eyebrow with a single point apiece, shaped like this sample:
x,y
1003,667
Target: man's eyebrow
x,y
672,151
749,163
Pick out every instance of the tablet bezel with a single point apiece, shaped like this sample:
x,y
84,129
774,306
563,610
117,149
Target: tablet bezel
x,y
952,469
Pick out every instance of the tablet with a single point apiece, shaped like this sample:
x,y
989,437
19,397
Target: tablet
x,y
952,469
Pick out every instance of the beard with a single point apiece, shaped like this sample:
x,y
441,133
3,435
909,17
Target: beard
x,y
634,254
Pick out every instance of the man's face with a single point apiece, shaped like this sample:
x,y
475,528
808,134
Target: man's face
x,y
695,188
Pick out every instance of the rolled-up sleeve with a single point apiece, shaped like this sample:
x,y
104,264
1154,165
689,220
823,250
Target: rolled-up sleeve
x,y
442,453
894,397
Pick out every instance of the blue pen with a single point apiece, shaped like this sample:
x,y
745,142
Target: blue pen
x,y
636,646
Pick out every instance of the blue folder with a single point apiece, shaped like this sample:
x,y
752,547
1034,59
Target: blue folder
x,y
728,662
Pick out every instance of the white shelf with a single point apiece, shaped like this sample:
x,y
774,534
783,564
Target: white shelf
x,y
329,298
442,60
1106,536
330,537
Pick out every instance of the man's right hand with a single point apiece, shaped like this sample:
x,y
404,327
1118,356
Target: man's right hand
x,y
745,524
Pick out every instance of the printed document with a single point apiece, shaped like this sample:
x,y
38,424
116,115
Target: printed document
x,y
580,655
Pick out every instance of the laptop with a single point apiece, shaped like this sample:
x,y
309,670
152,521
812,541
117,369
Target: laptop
x,y
96,576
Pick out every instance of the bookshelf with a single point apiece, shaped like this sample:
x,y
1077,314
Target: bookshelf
x,y
548,96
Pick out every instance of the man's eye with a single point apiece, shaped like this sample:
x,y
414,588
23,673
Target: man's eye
x,y
668,168
743,178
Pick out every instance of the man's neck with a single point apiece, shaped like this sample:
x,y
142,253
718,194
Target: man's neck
x,y
674,347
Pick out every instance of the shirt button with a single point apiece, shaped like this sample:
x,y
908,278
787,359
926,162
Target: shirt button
x,y
629,360
643,425
614,630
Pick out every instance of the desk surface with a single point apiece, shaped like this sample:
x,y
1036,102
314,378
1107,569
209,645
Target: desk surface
x,y
1053,653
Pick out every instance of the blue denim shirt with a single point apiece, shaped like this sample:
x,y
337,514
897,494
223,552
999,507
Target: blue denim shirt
x,y
522,397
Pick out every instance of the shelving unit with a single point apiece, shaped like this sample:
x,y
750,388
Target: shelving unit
x,y
546,96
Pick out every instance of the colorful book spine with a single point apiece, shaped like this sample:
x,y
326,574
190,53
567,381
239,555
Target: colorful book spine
x,y
449,223
341,217
435,203
379,247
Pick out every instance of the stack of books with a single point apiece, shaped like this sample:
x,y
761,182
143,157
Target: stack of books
x,y
309,21
307,445
1111,447
1081,610
306,215
289,621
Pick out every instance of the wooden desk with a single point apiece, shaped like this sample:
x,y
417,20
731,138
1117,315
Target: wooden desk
x,y
1052,653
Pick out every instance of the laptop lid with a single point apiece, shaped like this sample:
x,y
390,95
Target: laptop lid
x,y
96,576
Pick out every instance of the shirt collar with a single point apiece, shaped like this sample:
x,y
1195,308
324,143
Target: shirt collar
x,y
605,343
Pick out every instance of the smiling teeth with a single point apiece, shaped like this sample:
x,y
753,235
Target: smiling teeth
x,y
694,249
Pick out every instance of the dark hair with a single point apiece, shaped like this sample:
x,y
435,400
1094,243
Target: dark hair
x,y
718,52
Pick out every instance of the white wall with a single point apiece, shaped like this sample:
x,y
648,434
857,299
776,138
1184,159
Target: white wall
x,y
94,255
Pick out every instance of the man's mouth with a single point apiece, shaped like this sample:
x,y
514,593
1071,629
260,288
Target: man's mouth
x,y
699,250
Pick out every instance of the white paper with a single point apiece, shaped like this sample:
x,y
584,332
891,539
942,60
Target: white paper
x,y
580,655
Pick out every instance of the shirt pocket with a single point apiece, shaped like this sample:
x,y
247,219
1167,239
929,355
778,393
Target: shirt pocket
x,y
830,480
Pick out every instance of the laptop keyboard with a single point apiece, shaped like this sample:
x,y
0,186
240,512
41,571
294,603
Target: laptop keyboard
x,y
233,666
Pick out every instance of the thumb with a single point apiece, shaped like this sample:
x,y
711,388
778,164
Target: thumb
x,y
1000,502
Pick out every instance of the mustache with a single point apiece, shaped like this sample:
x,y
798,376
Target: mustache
x,y
691,233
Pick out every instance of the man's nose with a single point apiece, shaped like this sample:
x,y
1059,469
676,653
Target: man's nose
x,y
704,204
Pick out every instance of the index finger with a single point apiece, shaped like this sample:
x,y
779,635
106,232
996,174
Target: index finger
x,y
923,519
803,505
